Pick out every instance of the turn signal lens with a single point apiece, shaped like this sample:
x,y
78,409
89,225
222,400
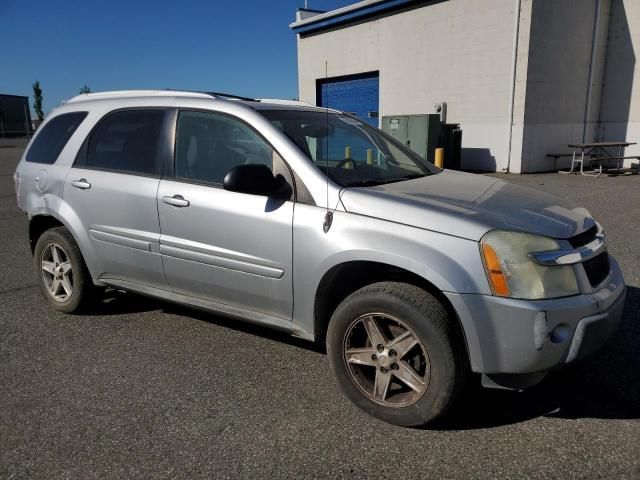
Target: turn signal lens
x,y
496,277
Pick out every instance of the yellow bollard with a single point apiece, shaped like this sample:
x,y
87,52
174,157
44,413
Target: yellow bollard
x,y
439,160
347,155
369,156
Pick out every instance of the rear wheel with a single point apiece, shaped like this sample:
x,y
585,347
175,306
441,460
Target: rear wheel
x,y
62,274
395,353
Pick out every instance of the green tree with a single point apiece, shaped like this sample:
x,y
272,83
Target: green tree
x,y
85,89
37,100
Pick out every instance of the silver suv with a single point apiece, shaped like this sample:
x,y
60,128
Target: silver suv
x,y
315,223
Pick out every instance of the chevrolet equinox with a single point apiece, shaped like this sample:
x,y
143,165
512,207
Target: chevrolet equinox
x,y
315,223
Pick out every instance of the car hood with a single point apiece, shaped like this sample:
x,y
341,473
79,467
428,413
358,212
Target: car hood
x,y
468,205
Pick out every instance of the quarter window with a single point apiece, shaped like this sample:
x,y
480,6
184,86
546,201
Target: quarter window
x,y
208,145
127,141
54,136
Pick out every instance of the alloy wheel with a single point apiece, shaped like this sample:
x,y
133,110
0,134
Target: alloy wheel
x,y
57,273
386,360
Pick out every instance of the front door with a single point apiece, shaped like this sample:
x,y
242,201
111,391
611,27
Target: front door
x,y
223,246
112,189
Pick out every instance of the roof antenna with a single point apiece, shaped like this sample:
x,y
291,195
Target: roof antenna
x,y
328,218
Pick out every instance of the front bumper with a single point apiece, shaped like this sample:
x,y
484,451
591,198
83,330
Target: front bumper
x,y
510,336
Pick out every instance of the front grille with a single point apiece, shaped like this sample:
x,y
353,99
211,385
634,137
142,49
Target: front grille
x,y
584,237
597,268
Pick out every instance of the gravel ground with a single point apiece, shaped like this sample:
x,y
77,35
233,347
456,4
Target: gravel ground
x,y
144,389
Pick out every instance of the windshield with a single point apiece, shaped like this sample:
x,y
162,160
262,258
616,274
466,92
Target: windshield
x,y
351,152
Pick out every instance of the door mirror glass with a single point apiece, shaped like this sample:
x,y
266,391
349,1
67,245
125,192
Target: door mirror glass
x,y
257,179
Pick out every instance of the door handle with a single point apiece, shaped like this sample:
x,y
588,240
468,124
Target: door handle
x,y
176,201
82,183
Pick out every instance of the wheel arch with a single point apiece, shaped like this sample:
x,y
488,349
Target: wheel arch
x,y
356,274
38,224
45,219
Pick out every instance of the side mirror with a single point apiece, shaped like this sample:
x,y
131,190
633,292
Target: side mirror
x,y
257,179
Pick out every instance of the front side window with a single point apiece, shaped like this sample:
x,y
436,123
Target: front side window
x,y
209,145
351,152
127,141
54,136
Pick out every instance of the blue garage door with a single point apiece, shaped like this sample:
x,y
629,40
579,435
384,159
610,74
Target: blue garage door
x,y
357,94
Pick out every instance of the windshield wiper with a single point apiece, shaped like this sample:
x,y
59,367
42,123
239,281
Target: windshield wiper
x,y
412,176
365,183
407,177
373,183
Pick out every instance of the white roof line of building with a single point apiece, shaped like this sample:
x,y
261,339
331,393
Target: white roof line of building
x,y
335,13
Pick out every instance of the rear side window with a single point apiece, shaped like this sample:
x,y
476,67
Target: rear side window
x,y
127,141
55,134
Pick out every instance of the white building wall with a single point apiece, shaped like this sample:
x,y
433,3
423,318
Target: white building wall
x,y
620,104
557,97
458,51
461,52
520,87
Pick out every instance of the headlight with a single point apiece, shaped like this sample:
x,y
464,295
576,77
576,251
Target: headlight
x,y
512,273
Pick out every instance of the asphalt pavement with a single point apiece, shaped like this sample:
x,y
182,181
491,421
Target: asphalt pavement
x,y
146,389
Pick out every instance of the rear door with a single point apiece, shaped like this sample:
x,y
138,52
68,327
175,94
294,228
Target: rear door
x,y
226,247
112,188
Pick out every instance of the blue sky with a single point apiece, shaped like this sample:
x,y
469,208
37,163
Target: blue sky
x,y
242,46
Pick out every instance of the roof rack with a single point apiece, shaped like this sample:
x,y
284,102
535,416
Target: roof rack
x,y
170,92
229,95
133,93
279,101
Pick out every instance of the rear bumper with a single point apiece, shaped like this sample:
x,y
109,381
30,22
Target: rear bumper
x,y
510,336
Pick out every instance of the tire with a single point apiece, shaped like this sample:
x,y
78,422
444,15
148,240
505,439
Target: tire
x,y
67,254
403,314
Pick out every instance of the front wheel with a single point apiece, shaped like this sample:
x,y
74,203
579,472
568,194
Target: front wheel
x,y
395,353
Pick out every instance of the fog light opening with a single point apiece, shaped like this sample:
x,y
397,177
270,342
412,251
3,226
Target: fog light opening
x,y
560,333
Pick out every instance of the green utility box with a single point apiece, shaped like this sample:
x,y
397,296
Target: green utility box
x,y
424,133
418,132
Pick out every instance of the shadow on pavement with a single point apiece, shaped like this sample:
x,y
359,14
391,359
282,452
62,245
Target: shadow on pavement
x,y
116,302
605,385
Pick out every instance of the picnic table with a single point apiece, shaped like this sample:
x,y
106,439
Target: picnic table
x,y
597,152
